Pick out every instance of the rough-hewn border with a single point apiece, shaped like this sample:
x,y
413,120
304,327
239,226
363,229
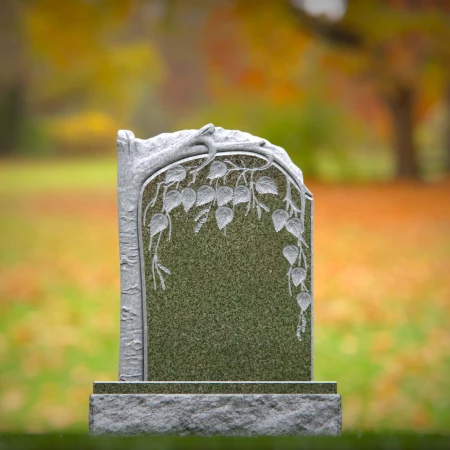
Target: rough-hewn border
x,y
210,414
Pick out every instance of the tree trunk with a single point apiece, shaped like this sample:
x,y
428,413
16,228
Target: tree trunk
x,y
447,129
400,102
12,77
12,112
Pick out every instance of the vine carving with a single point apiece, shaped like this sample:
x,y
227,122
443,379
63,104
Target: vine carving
x,y
219,199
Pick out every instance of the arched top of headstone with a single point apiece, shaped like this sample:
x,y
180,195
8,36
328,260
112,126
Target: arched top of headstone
x,y
167,148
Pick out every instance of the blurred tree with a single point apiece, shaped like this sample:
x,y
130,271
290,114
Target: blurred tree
x,y
441,49
392,53
178,35
90,57
263,74
447,129
79,59
247,54
398,45
12,76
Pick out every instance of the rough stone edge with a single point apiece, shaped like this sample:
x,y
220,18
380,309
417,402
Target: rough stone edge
x,y
216,414
137,160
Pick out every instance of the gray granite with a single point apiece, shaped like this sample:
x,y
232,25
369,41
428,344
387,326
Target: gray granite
x,y
216,308
206,415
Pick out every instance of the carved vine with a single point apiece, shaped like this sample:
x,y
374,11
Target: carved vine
x,y
219,199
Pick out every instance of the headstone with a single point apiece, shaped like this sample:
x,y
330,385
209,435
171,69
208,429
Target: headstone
x,y
216,257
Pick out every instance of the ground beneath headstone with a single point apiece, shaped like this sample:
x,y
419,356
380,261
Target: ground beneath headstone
x,y
381,293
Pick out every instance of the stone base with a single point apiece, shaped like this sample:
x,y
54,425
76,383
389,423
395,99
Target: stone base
x,y
216,414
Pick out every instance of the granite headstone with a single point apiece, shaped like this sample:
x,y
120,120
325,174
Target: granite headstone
x,y
216,257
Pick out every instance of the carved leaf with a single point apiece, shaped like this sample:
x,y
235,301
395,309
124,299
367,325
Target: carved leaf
x,y
258,211
161,280
290,252
158,223
223,195
303,300
217,169
171,200
200,223
241,195
205,194
164,268
279,218
224,216
175,174
266,185
188,197
294,226
264,207
201,213
298,275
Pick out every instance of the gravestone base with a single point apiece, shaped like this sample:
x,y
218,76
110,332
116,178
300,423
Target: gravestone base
x,y
200,414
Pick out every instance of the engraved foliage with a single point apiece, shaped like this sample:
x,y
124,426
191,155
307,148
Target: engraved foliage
x,y
222,200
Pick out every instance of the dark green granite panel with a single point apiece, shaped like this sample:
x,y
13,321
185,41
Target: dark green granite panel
x,y
215,388
226,312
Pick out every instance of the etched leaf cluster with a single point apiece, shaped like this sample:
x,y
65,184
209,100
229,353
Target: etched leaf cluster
x,y
292,220
217,198
222,201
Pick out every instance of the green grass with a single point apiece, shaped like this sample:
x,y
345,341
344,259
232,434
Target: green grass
x,y
41,176
381,324
397,441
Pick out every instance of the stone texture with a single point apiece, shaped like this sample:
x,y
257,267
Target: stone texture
x,y
138,162
227,414
216,293
230,387
226,312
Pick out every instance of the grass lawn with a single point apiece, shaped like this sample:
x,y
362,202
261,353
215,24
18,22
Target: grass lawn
x,y
382,300
398,441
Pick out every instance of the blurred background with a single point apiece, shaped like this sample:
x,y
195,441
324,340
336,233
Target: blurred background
x,y
358,93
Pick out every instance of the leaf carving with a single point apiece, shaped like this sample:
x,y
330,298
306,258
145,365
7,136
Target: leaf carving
x,y
290,252
224,216
266,185
224,194
188,197
258,211
295,226
200,223
279,218
264,207
200,214
175,174
241,195
171,200
298,275
217,169
158,223
161,280
164,268
303,300
205,194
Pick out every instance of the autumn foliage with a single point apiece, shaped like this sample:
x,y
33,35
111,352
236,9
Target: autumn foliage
x,y
365,97
381,297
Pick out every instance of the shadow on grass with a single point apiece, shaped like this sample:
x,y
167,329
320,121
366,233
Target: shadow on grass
x,y
388,441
